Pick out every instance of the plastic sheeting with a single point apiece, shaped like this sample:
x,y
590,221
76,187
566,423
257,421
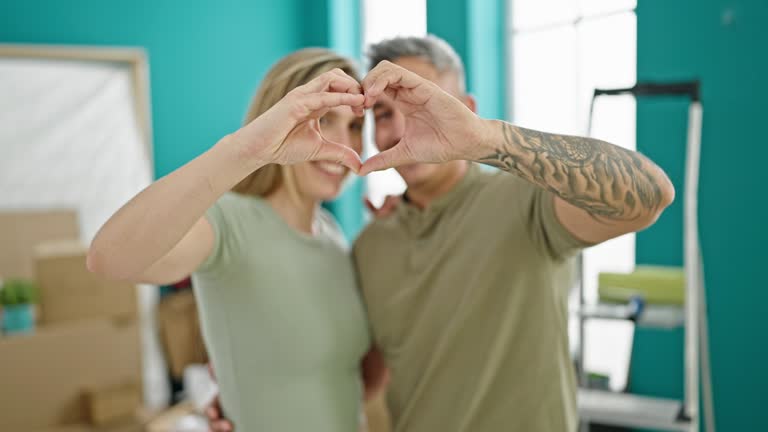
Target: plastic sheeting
x,y
69,138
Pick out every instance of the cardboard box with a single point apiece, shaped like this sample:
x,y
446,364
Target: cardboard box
x,y
112,404
22,231
44,375
180,332
132,426
68,291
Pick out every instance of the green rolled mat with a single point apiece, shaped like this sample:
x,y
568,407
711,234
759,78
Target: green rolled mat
x,y
656,285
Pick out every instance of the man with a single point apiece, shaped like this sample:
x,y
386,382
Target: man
x,y
466,282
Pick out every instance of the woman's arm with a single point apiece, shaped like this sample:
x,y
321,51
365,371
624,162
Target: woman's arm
x,y
161,235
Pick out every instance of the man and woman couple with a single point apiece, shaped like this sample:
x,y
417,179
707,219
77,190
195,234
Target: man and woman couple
x,y
457,291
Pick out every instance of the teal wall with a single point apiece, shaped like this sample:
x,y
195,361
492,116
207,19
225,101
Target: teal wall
x,y
206,58
685,39
476,30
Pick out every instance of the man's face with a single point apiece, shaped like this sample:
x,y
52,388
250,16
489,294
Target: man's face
x,y
390,123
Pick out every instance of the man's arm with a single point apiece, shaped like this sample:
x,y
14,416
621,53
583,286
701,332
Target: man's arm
x,y
601,190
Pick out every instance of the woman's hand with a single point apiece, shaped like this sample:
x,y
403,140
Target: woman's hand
x,y
390,204
289,132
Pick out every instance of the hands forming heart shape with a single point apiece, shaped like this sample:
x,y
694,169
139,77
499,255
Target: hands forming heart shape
x,y
438,127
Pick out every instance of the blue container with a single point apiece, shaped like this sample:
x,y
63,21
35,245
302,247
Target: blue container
x,y
18,319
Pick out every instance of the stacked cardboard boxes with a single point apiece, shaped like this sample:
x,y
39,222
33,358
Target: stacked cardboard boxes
x,y
69,292
180,333
81,369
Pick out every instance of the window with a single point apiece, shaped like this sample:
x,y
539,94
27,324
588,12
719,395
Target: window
x,y
384,19
560,51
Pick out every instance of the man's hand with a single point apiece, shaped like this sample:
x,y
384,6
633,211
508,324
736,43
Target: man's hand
x,y
438,128
391,202
216,422
375,373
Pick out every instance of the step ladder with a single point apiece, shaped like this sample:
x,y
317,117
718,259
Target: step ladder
x,y
622,409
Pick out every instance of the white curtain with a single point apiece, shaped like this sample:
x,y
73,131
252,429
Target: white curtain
x,y
69,138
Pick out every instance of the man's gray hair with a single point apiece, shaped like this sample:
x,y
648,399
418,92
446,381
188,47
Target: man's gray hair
x,y
431,48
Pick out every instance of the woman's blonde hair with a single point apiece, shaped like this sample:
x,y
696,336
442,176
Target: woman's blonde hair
x,y
291,71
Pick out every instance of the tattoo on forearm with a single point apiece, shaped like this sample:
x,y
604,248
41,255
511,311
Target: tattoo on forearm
x,y
607,181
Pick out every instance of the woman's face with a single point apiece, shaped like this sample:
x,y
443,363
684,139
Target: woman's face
x,y
323,181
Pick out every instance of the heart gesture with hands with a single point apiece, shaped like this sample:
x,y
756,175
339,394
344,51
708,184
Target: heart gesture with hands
x,y
289,132
438,127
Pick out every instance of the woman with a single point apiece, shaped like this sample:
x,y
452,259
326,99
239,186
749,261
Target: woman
x,y
281,315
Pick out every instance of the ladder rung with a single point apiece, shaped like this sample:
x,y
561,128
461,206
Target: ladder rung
x,y
609,311
658,316
622,409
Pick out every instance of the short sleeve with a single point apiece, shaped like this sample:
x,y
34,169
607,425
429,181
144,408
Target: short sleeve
x,y
222,243
534,209
548,232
